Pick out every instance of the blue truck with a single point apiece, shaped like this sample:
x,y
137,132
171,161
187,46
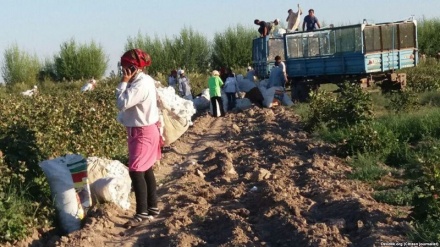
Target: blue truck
x,y
363,53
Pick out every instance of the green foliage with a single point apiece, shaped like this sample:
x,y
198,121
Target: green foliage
x,y
17,210
190,51
428,36
48,71
233,47
302,109
19,67
413,127
427,231
366,138
80,61
425,77
403,101
367,167
400,196
351,106
430,98
426,168
59,120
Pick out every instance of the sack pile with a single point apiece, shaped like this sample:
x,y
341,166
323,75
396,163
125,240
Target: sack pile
x,y
176,114
77,183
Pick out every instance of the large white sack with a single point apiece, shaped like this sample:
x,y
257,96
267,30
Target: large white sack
x,y
112,189
168,99
244,84
279,32
201,103
269,95
263,83
87,87
99,168
68,207
243,104
205,93
173,126
286,100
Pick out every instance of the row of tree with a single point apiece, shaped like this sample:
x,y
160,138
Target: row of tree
x,y
189,50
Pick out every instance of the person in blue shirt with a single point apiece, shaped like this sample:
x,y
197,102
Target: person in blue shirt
x,y
311,21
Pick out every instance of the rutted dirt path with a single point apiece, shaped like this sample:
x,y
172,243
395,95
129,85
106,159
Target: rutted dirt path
x,y
252,178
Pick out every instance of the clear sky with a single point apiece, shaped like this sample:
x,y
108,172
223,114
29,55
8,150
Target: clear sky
x,y
41,26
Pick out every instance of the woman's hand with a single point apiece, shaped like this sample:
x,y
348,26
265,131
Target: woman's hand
x,y
127,74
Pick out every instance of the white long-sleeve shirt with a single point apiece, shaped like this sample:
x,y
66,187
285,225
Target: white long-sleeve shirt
x,y
137,102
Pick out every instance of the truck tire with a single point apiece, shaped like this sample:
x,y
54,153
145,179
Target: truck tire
x,y
300,91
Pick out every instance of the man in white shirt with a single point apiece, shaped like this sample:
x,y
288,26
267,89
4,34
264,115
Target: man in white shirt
x,y
282,65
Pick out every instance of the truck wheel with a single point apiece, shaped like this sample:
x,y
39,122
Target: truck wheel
x,y
300,91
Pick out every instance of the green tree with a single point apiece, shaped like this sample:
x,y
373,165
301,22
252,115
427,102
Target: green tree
x,y
79,61
428,36
19,66
189,50
233,47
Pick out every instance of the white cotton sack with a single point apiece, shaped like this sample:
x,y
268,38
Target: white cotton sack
x,y
63,192
112,189
243,104
99,168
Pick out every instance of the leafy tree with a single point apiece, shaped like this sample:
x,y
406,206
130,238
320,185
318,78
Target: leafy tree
x,y
233,48
19,66
428,36
190,50
79,61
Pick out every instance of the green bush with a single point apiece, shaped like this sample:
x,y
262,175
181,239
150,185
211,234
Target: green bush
x,y
20,67
190,51
426,170
17,207
79,61
350,107
400,197
367,167
425,77
428,36
430,98
403,101
366,138
413,127
59,120
233,47
427,231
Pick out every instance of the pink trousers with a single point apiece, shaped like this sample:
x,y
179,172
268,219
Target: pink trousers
x,y
144,147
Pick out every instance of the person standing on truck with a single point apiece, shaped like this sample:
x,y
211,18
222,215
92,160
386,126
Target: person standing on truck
x,y
266,28
311,21
293,20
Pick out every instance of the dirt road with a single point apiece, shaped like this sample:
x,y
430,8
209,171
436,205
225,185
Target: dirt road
x,y
252,178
